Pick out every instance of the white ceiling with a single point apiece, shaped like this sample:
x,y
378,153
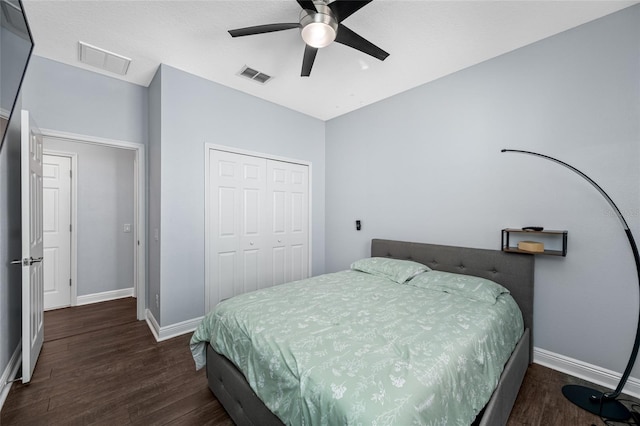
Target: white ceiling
x,y
426,40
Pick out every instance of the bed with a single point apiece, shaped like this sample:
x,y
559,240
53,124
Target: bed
x,y
513,271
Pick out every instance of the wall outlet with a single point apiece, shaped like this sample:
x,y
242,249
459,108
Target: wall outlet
x,y
157,301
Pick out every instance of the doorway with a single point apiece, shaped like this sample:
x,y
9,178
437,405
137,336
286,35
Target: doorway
x,y
58,224
107,226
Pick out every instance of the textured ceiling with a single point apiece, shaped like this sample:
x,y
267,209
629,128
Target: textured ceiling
x,y
426,40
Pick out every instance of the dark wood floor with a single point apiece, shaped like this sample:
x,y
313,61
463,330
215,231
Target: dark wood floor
x,y
99,365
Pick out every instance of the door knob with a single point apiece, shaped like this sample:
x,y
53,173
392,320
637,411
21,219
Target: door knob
x,y
36,260
251,243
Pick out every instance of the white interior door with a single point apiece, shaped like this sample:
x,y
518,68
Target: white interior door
x,y
32,246
288,208
236,205
257,223
56,176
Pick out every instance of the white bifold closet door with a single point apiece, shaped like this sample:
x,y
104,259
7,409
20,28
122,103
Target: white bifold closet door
x,y
288,211
258,233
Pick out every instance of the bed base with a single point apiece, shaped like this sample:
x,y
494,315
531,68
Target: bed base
x,y
234,393
513,271
245,408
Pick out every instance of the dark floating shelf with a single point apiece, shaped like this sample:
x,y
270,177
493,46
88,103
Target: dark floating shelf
x,y
506,237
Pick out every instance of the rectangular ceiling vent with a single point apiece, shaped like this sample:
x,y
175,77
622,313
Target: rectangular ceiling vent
x,y
254,75
103,59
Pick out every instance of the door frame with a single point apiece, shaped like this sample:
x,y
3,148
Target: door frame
x,y
207,215
139,164
74,217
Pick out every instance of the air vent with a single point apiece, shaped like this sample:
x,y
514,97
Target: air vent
x,y
103,59
254,75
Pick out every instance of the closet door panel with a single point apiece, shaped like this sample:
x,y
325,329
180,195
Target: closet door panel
x,y
288,186
258,224
237,187
279,266
252,270
299,222
299,262
226,271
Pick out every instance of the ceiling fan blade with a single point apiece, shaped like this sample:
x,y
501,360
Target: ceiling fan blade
x,y
349,38
307,61
261,29
308,4
342,9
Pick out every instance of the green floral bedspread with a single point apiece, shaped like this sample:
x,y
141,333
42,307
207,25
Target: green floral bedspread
x,y
353,348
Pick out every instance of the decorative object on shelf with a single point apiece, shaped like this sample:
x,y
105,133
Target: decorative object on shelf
x,y
556,241
532,246
603,404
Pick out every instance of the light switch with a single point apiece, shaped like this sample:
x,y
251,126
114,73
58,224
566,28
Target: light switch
x,y
127,227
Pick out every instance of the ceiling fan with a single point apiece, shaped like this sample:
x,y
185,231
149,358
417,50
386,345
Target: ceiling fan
x,y
320,24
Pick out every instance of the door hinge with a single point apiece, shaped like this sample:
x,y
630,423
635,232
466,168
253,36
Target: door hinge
x,y
69,282
70,230
71,173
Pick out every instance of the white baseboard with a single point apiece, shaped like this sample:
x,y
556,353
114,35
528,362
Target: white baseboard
x,y
9,373
585,371
153,324
173,330
104,296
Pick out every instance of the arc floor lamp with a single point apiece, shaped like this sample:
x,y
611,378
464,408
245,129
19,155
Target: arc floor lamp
x,y
603,404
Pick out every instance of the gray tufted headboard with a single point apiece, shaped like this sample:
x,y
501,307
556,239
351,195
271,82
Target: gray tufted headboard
x,y
512,270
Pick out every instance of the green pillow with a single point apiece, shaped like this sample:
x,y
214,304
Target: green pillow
x,y
474,288
396,270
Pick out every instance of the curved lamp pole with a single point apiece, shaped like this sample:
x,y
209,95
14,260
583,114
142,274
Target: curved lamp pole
x,y
603,404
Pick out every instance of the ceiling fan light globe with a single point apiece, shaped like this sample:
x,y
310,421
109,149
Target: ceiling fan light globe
x,y
318,28
318,34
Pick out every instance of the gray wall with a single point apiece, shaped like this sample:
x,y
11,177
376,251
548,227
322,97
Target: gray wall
x,y
194,112
105,203
426,166
155,180
10,242
70,99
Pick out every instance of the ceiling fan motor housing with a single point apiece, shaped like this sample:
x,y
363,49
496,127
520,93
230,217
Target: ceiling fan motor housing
x,y
318,28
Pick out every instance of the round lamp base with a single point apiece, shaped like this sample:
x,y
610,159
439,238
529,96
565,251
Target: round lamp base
x,y
592,401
